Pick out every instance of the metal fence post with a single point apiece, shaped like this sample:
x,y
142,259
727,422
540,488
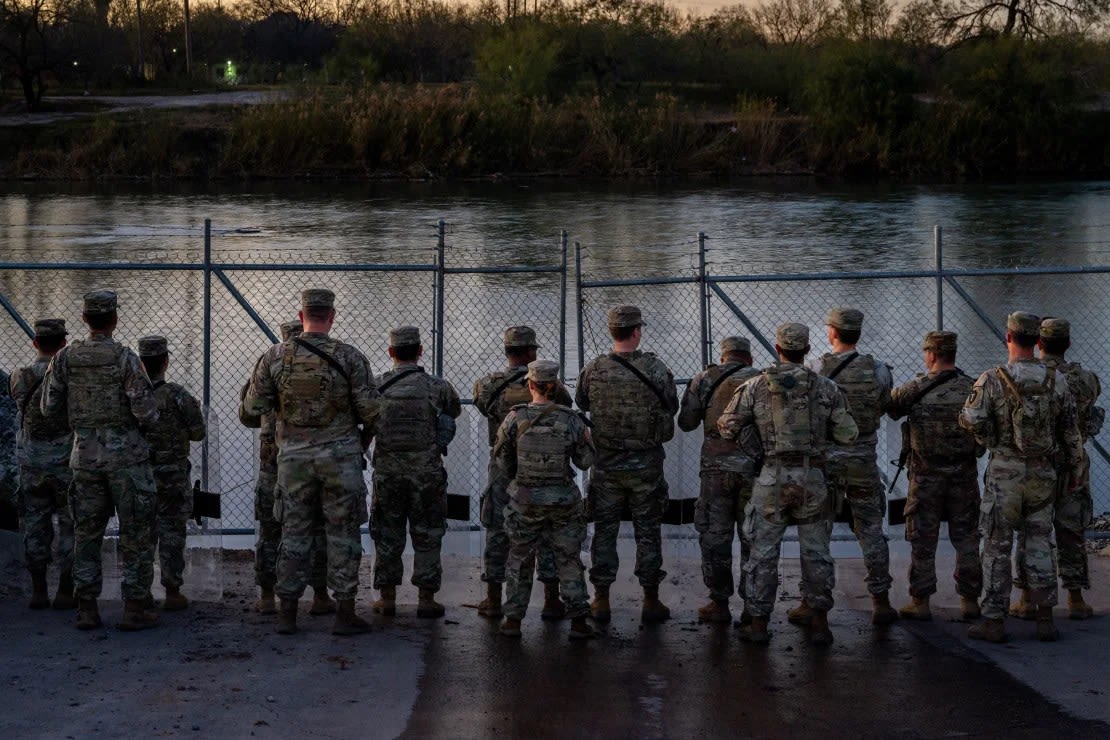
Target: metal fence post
x,y
563,307
703,300
938,254
578,304
441,247
207,386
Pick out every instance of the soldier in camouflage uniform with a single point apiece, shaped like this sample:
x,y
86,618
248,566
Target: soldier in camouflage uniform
x,y
44,475
943,477
1074,509
727,471
630,396
796,414
536,445
494,395
179,423
103,389
1025,415
10,505
854,469
320,390
410,482
269,529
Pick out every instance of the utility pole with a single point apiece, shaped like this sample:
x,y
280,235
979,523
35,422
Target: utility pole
x,y
188,45
139,24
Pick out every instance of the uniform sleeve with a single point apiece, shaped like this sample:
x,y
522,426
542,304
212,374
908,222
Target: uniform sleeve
x,y
1067,426
739,413
16,388
670,393
504,449
364,388
885,380
449,399
194,419
691,413
262,397
480,395
842,427
901,400
53,399
977,414
583,453
137,388
582,389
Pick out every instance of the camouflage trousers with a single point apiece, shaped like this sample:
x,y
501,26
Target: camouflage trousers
x,y
1018,495
44,494
329,487
932,498
718,516
1074,511
644,491
269,539
856,481
782,496
131,494
563,530
418,498
492,505
175,506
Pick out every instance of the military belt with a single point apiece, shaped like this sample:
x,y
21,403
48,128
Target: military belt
x,y
794,460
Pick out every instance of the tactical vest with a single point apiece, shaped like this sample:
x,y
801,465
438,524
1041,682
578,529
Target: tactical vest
x,y
35,424
514,394
1032,412
408,419
543,447
792,428
1084,388
307,392
95,397
626,413
715,405
169,436
935,431
860,384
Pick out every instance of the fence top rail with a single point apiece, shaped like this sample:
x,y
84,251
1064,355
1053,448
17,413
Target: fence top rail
x,y
639,281
495,270
905,274
215,265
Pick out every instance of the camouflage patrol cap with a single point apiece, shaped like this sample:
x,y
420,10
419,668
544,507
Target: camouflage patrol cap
x,y
543,371
735,344
404,336
153,346
621,316
520,336
792,336
317,298
100,301
1052,328
848,319
50,328
1025,324
291,329
940,341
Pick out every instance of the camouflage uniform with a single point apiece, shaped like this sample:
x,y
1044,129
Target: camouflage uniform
x,y
943,475
726,470
1022,475
320,454
179,422
796,413
536,445
630,426
9,468
107,395
410,482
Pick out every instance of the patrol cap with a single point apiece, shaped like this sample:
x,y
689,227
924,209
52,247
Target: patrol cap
x,y
622,316
317,298
940,341
792,336
848,319
1051,328
520,336
100,301
404,336
50,328
153,346
543,371
291,329
1025,324
735,344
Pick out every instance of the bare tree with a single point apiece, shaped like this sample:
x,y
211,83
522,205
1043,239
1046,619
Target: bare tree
x,y
33,42
794,22
962,19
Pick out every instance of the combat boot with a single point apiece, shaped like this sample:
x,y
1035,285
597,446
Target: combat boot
x,y
969,608
40,597
1077,607
800,615
510,627
653,609
386,605
599,607
175,601
756,631
88,615
64,599
1025,608
287,617
427,607
991,630
321,602
580,629
1046,629
553,607
917,609
346,621
137,617
745,617
716,611
819,632
491,605
266,603
882,613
